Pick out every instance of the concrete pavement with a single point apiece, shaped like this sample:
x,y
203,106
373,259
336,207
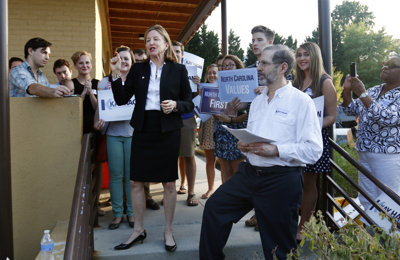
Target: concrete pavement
x,y
243,243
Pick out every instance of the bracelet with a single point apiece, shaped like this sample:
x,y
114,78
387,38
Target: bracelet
x,y
115,75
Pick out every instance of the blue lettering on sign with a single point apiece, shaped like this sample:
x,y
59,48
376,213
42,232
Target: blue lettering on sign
x,y
111,103
243,77
103,105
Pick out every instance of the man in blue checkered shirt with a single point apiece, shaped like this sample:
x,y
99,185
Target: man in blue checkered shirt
x,y
27,79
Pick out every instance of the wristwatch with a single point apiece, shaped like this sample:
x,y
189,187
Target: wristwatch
x,y
363,95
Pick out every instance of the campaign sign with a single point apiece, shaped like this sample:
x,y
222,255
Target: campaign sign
x,y
238,83
110,111
192,71
196,101
190,59
210,101
390,207
319,106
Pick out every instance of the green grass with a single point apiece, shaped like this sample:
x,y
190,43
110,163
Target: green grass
x,y
348,168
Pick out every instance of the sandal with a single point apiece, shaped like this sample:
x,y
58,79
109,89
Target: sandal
x,y
206,195
191,200
182,190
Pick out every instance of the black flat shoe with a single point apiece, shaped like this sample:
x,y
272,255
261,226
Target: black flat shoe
x,y
113,226
140,239
170,248
151,204
131,223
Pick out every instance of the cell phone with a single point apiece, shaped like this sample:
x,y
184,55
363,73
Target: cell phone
x,y
353,69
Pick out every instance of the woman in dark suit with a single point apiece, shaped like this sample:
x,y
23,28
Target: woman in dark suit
x,y
162,92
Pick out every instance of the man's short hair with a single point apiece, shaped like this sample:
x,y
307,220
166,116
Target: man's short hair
x,y
139,52
282,53
35,43
269,34
12,59
176,43
61,62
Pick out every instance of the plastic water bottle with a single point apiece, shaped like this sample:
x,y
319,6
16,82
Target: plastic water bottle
x,y
47,246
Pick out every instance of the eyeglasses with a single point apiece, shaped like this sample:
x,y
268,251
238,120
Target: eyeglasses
x,y
390,65
264,63
229,65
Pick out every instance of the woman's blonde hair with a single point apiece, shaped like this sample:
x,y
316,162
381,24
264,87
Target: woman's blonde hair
x,y
316,68
209,67
169,52
77,55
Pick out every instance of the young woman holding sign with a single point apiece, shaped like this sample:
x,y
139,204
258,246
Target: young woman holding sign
x,y
119,139
225,143
206,132
312,79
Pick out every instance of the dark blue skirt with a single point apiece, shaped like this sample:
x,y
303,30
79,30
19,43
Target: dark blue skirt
x,y
154,156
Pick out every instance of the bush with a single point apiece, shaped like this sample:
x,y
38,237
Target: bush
x,y
348,168
350,242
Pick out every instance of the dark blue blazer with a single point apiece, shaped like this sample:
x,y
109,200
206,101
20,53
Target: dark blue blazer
x,y
174,85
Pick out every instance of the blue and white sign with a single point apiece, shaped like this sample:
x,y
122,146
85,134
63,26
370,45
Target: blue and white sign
x,y
203,117
190,59
210,101
238,83
110,111
391,208
319,106
192,71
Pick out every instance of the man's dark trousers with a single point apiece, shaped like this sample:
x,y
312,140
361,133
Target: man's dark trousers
x,y
275,194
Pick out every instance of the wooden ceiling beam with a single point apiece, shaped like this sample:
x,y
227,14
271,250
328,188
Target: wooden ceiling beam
x,y
154,7
192,3
151,16
139,29
137,22
202,12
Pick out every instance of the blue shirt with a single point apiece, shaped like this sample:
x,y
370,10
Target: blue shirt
x,y
21,77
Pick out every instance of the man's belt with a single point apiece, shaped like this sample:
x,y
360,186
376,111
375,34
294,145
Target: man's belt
x,y
262,171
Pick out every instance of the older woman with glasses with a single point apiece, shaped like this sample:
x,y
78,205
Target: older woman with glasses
x,y
378,135
226,144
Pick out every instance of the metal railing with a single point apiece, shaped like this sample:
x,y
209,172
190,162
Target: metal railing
x,y
80,240
328,202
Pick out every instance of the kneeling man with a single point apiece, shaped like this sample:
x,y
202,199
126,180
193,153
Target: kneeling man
x,y
271,179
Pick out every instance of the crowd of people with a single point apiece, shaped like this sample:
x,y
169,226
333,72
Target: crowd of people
x,y
161,134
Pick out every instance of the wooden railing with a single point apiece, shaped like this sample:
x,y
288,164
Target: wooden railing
x,y
79,244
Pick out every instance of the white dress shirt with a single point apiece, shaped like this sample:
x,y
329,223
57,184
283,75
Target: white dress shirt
x,y
290,119
153,94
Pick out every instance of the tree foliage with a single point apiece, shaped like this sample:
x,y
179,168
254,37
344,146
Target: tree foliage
x,y
234,45
289,41
353,39
369,49
204,44
250,57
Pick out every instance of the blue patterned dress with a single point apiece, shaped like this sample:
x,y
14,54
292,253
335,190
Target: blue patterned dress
x,y
225,143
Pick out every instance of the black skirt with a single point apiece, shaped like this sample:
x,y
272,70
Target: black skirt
x,y
154,156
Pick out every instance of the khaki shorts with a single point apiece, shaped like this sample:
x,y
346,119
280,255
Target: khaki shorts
x,y
188,137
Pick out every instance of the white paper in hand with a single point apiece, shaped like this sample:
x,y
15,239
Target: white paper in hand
x,y
246,136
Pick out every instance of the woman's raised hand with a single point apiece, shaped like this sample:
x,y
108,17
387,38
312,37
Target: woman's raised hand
x,y
115,63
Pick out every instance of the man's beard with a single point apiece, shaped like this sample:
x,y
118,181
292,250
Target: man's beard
x,y
269,78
